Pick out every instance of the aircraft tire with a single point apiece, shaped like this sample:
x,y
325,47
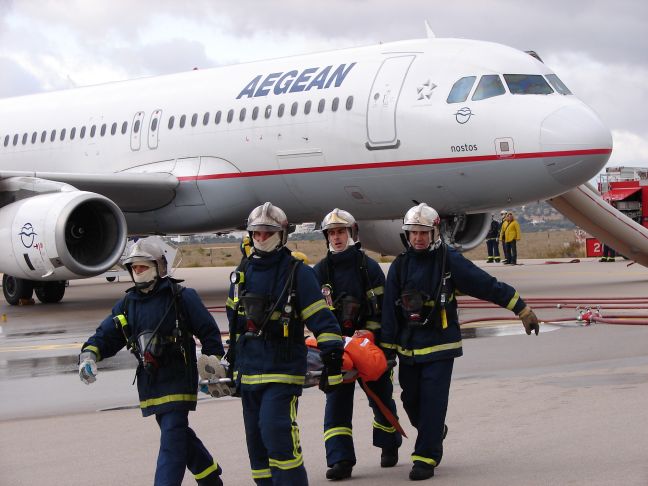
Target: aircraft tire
x,y
16,289
111,279
50,292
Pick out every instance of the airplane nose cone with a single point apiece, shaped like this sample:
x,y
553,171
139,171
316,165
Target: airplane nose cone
x,y
576,144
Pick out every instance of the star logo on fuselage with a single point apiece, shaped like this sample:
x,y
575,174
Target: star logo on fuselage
x,y
425,90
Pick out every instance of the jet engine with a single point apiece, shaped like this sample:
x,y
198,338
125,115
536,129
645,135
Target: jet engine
x,y
60,236
464,232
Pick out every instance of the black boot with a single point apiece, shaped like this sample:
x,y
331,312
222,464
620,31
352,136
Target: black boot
x,y
389,457
421,471
340,470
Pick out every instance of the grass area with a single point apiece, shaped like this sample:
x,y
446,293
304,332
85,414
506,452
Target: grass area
x,y
544,244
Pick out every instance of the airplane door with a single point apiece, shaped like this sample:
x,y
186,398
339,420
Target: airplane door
x,y
383,100
136,130
154,125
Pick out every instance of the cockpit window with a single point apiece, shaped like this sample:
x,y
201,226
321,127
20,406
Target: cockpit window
x,y
557,84
461,89
527,84
489,85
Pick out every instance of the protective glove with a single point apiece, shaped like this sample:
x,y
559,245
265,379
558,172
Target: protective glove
x,y
210,368
529,320
390,355
88,367
332,371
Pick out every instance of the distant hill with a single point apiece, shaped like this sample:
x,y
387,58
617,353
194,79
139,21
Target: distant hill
x,y
540,216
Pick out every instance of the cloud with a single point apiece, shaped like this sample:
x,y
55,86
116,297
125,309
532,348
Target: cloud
x,y
16,80
630,149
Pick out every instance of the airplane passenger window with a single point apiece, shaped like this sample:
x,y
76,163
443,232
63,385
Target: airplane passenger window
x,y
52,136
183,120
255,113
489,85
230,116
154,124
206,118
242,114
24,139
321,105
62,136
113,128
34,135
527,84
217,119
15,140
557,84
335,103
102,132
6,141
136,127
461,89
194,119
93,129
171,122
280,110
124,128
293,108
307,107
43,137
268,111
82,132
72,133
349,103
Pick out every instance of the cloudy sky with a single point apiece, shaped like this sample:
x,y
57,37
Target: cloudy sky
x,y
599,48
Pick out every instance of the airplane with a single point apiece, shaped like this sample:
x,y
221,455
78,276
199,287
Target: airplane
x,y
464,125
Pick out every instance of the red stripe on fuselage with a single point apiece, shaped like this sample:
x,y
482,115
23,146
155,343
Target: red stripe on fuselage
x,y
400,163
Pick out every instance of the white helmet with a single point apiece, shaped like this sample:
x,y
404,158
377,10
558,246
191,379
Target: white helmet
x,y
339,218
149,249
268,218
422,218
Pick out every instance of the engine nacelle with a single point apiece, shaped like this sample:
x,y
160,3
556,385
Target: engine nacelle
x,y
61,236
464,232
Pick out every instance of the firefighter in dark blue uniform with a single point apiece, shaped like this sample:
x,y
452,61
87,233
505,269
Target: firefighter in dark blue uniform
x,y
272,297
492,241
353,284
421,326
157,320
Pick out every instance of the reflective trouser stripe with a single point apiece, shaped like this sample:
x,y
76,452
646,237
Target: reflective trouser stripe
x,y
337,431
426,460
206,472
389,430
298,458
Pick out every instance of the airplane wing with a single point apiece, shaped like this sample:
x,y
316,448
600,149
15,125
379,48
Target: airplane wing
x,y
132,192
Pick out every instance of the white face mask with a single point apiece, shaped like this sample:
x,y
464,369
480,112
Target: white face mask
x,y
147,276
269,244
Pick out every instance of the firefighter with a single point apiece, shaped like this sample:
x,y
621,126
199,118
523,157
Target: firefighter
x,y
492,238
271,298
421,326
157,320
510,235
353,284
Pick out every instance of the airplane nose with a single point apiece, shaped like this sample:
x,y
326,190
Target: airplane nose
x,y
577,144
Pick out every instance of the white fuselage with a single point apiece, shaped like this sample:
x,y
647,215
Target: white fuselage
x,y
393,139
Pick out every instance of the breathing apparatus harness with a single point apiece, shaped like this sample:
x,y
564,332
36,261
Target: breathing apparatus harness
x,y
347,308
259,311
148,347
412,301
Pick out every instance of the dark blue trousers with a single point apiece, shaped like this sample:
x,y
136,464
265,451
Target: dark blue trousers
x,y
180,449
426,387
338,415
511,249
272,434
492,246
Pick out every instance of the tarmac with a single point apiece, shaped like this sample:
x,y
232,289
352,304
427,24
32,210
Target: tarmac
x,y
567,407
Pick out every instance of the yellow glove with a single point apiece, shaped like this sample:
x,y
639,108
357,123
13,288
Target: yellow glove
x,y
529,320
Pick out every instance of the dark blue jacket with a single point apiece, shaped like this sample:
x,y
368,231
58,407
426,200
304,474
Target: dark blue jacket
x,y
421,271
273,358
174,385
346,274
494,231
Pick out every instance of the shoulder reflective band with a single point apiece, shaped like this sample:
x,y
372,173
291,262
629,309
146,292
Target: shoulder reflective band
x,y
237,277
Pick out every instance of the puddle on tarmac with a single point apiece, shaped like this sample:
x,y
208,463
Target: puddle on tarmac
x,y
501,330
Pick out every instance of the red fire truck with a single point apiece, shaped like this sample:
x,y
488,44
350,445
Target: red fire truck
x,y
625,188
